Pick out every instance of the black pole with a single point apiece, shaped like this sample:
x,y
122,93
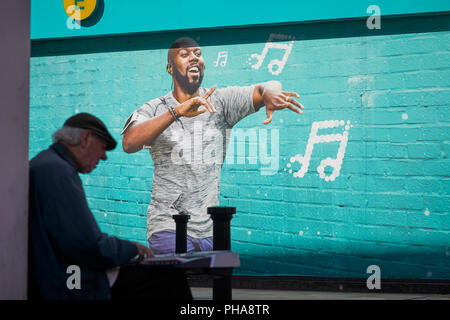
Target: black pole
x,y
181,232
221,217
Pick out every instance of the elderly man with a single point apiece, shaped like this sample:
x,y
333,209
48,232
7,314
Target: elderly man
x,y
64,237
176,126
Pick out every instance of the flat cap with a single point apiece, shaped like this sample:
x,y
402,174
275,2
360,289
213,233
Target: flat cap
x,y
85,120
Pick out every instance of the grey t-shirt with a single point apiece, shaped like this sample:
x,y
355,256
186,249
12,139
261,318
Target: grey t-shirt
x,y
188,158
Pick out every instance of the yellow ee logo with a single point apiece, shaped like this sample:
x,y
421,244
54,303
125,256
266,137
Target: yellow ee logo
x,y
79,9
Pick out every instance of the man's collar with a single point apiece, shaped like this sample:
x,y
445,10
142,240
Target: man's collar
x,y
170,96
64,153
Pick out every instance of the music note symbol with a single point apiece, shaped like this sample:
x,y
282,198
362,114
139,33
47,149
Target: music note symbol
x,y
274,45
224,55
315,139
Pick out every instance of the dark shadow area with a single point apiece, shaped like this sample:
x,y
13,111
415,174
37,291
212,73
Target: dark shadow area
x,y
340,273
328,284
242,35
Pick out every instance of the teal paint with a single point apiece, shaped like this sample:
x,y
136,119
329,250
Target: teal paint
x,y
48,20
389,206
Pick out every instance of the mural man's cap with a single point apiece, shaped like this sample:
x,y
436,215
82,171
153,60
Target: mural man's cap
x,y
88,121
184,42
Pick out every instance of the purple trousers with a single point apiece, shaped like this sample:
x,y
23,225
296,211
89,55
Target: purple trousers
x,y
162,242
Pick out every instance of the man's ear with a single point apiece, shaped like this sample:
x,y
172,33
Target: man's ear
x,y
169,68
85,136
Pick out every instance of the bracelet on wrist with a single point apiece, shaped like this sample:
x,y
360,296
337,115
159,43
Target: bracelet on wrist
x,y
174,113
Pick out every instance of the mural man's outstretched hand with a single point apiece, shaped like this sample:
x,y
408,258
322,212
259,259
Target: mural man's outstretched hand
x,y
276,99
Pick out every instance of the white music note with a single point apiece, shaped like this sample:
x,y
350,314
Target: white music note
x,y
222,54
274,45
315,139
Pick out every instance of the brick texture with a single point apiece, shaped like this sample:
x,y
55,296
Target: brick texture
x,y
389,205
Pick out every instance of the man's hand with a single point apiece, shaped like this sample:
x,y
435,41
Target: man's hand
x,y
190,108
274,98
143,251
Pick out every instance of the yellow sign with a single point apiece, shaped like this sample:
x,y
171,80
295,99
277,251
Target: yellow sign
x,y
80,9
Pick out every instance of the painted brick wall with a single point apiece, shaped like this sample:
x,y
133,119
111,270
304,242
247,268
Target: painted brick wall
x,y
385,91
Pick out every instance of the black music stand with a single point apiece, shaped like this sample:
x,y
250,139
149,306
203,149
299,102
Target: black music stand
x,y
181,221
221,217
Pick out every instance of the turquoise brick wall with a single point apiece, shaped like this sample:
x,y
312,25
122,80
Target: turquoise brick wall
x,y
389,204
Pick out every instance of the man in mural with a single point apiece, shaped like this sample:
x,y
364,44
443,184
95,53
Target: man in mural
x,y
187,132
69,257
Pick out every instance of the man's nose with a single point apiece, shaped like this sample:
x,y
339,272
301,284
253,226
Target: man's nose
x,y
103,156
193,56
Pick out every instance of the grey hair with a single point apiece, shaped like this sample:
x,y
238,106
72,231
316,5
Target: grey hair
x,y
69,135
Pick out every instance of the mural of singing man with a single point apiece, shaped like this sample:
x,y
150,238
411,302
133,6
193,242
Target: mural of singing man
x,y
187,132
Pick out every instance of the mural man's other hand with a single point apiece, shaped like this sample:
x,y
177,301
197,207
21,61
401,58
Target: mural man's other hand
x,y
276,99
192,107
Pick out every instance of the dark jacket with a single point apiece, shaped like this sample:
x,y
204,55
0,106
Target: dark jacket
x,y
63,232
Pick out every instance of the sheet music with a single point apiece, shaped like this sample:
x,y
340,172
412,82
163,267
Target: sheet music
x,y
202,259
